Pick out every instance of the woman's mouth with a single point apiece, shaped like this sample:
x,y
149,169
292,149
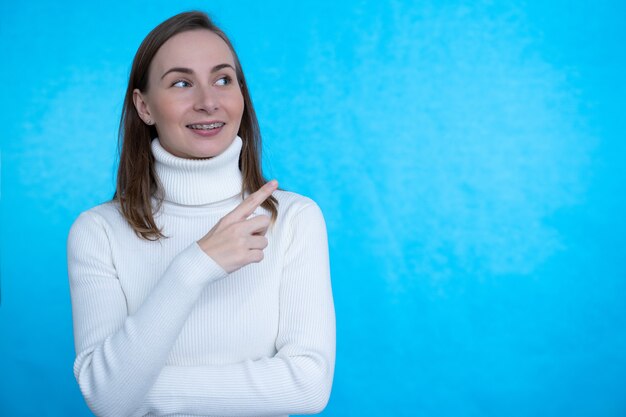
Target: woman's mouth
x,y
207,126
206,130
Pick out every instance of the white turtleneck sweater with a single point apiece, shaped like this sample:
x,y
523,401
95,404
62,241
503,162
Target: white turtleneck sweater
x,y
161,329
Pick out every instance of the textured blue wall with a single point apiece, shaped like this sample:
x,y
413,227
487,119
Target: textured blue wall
x,y
469,158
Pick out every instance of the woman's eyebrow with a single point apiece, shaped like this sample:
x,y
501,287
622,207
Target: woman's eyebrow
x,y
190,71
177,69
221,66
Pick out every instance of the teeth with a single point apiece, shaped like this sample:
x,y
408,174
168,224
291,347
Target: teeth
x,y
207,126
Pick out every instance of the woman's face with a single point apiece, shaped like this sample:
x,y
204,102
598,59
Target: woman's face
x,y
193,95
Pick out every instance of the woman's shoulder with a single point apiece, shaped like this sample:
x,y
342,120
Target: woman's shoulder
x,y
294,208
291,202
105,214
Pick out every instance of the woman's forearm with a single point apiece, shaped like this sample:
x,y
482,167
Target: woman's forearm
x,y
119,356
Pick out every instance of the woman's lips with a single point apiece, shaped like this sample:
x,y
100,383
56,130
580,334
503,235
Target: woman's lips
x,y
206,129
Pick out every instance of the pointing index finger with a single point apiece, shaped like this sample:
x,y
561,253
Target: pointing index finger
x,y
254,200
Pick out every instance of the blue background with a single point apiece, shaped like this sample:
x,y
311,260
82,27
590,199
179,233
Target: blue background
x,y
468,156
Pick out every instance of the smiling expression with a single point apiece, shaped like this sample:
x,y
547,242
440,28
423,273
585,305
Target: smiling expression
x,y
193,96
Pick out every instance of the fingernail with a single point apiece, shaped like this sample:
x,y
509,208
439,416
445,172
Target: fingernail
x,y
273,183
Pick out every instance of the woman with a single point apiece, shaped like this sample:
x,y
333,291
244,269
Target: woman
x,y
200,289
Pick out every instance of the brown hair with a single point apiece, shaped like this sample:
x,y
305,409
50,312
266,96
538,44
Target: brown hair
x,y
137,183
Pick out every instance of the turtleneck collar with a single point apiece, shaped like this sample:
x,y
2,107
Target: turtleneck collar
x,y
195,182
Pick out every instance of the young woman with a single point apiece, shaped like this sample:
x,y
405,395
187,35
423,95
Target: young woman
x,y
200,289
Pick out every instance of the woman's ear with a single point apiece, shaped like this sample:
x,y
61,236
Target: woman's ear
x,y
141,105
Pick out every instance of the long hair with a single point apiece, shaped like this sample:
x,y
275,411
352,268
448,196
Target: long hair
x,y
137,183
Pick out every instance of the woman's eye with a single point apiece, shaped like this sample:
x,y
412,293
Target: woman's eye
x,y
225,80
181,83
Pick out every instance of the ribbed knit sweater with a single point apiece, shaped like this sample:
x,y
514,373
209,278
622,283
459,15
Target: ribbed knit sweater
x,y
161,329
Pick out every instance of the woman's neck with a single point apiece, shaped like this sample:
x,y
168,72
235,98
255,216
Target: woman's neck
x,y
196,182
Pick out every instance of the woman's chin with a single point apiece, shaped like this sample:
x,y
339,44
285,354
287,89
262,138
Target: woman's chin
x,y
198,146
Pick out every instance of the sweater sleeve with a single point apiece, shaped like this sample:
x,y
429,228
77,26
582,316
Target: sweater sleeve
x,y
119,357
298,379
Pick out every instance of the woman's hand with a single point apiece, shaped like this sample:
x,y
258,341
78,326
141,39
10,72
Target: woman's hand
x,y
235,241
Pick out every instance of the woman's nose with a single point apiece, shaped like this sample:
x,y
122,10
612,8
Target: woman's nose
x,y
205,100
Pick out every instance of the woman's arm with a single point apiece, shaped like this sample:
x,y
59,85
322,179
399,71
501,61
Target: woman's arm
x,y
298,379
119,356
